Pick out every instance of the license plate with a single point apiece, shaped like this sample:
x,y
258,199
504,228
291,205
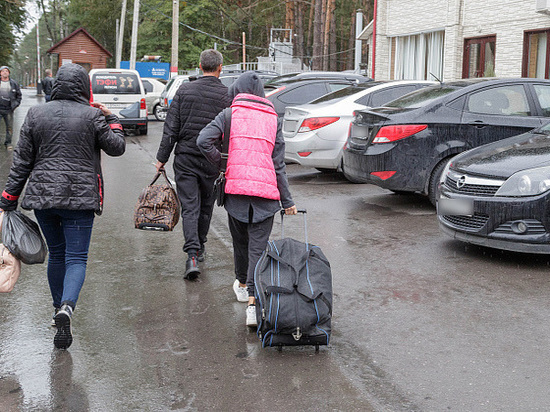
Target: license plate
x,y
116,105
455,207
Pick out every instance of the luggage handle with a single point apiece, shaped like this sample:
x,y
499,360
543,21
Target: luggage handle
x,y
159,173
304,212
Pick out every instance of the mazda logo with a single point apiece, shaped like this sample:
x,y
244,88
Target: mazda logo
x,y
461,181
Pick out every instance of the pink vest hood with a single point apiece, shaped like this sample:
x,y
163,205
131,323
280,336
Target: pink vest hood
x,y
250,169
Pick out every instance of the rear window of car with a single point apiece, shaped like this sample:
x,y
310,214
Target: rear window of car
x,y
421,97
345,92
115,83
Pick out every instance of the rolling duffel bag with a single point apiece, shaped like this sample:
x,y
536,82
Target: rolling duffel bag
x,y
158,206
293,290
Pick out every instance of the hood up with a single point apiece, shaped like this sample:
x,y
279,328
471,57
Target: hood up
x,y
72,83
249,83
505,157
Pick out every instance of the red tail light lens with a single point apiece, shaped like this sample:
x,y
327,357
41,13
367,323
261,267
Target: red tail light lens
x,y
392,133
271,93
143,106
165,102
314,123
304,154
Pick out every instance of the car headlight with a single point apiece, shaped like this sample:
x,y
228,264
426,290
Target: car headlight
x,y
445,172
528,182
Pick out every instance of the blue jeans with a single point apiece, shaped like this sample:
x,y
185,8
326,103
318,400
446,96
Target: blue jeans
x,y
67,234
8,119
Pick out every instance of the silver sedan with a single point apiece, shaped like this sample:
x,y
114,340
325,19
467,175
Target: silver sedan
x,y
315,133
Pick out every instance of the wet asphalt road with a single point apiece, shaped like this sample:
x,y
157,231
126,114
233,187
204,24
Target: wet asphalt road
x,y
421,322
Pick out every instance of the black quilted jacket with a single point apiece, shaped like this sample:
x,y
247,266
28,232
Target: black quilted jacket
x,y
194,106
59,147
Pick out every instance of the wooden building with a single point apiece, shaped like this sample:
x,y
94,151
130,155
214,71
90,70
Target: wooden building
x,y
81,48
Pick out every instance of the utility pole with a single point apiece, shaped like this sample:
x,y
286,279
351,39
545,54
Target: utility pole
x,y
175,37
358,43
133,46
39,69
244,50
120,35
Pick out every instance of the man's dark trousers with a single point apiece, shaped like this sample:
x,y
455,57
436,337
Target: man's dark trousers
x,y
8,119
195,178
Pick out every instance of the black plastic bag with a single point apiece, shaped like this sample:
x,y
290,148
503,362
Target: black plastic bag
x,y
22,238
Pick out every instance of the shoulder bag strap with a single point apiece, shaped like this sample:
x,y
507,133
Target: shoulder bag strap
x,y
225,139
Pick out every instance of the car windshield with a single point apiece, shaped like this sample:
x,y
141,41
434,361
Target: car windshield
x,y
421,97
115,83
345,92
280,79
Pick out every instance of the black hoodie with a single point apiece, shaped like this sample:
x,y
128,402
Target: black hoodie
x,y
59,146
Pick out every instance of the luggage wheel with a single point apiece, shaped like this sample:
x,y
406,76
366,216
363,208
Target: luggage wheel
x,y
280,348
317,347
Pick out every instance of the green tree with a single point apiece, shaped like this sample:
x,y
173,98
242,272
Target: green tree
x,y
12,15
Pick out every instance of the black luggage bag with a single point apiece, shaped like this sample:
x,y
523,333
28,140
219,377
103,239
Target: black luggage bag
x,y
293,290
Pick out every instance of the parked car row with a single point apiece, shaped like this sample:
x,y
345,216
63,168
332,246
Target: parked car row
x,y
402,136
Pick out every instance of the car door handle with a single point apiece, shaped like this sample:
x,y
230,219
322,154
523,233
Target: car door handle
x,y
478,124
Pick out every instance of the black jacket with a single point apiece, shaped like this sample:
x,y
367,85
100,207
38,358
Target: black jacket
x,y
58,151
15,96
47,85
194,106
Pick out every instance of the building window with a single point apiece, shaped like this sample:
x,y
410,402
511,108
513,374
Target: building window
x,y
417,57
536,54
479,57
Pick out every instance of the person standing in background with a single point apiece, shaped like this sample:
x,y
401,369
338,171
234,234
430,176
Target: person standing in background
x,y
10,99
195,105
47,85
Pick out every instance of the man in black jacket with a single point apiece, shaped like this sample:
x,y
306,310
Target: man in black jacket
x,y
10,99
195,105
47,85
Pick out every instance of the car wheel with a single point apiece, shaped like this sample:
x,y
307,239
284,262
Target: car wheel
x,y
434,181
160,114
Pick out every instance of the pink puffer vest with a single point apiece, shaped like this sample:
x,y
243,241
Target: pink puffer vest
x,y
250,168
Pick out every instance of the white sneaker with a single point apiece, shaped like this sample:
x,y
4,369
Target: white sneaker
x,y
251,316
240,292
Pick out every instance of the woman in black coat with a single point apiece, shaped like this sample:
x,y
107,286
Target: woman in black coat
x,y
58,158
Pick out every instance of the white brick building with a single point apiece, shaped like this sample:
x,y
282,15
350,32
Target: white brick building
x,y
456,39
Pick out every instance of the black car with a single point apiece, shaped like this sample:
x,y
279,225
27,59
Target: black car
x,y
229,77
498,195
300,88
405,145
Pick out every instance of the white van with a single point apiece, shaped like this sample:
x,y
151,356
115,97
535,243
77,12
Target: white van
x,y
122,91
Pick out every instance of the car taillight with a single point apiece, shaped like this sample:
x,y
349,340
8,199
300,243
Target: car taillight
x,y
314,123
384,175
280,89
143,106
165,102
304,154
392,133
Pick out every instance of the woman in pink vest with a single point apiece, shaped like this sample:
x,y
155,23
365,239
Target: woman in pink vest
x,y
256,186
